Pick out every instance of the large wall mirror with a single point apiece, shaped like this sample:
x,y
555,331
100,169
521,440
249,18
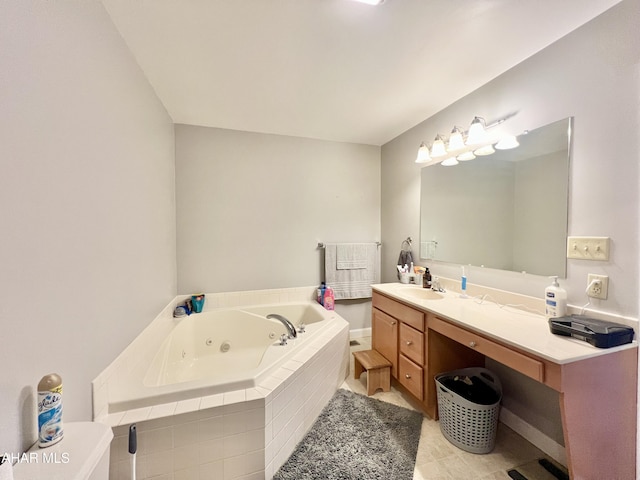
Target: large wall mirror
x,y
506,211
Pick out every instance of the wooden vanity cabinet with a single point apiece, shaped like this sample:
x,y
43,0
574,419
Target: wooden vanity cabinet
x,y
402,335
398,333
597,394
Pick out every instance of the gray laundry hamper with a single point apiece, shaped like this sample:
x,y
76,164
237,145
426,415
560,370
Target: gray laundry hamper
x,y
466,420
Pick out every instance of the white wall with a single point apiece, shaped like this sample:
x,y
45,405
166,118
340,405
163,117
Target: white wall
x,y
252,207
593,74
87,250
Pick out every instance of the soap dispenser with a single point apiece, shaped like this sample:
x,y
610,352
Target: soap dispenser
x,y
555,299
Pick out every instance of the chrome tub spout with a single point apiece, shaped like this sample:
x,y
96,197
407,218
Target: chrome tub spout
x,y
288,325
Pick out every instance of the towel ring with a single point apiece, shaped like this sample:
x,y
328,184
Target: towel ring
x,y
408,241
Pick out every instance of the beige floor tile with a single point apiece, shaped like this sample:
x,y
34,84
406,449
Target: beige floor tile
x,y
437,458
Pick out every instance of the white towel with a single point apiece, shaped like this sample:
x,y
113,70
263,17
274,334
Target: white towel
x,y
354,282
350,256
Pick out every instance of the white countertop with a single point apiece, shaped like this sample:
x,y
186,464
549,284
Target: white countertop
x,y
511,326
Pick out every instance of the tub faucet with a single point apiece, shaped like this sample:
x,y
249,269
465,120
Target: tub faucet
x,y
288,325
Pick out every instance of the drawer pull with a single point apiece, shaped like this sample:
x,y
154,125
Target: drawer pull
x,y
406,375
393,323
409,342
473,344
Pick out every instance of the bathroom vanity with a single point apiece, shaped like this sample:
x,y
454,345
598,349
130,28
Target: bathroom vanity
x,y
424,333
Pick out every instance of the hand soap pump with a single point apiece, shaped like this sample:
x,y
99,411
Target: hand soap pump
x,y
555,299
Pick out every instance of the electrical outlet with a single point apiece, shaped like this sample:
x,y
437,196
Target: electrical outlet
x,y
599,288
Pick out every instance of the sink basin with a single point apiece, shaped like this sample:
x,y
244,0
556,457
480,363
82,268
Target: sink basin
x,y
420,294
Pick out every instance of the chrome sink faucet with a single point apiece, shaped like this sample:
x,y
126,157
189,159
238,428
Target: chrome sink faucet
x,y
288,325
436,286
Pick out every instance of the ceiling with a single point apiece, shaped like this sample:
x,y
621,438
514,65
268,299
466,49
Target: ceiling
x,y
332,69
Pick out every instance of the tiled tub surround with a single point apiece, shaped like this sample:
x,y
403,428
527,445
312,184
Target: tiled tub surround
x,y
242,433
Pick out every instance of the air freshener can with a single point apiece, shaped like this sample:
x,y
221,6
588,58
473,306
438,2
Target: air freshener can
x,y
50,429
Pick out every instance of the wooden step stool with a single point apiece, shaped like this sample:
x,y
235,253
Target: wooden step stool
x,y
378,370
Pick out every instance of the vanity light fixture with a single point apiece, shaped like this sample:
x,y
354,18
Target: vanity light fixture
x,y
463,146
438,149
456,141
477,133
423,154
466,156
507,142
484,150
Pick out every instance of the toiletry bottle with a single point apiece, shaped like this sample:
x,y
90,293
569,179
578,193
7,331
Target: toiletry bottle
x,y
463,284
50,410
321,291
555,299
329,299
426,279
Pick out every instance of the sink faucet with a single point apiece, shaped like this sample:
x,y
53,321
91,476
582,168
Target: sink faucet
x,y
436,286
288,325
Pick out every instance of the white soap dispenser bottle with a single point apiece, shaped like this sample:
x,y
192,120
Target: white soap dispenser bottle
x,y
555,300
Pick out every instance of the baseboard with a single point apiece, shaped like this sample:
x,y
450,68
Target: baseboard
x,y
534,436
360,333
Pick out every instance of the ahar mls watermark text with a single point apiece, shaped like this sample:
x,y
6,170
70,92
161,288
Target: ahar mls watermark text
x,y
36,457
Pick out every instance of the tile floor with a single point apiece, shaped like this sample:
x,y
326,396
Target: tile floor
x,y
438,459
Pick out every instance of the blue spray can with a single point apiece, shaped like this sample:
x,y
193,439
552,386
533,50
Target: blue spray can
x,y
49,410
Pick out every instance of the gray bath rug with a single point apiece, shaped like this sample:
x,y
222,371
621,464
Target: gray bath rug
x,y
357,437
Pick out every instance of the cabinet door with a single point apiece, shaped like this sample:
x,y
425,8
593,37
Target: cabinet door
x,y
385,337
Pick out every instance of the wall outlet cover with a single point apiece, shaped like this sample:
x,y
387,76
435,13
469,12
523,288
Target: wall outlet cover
x,y
599,290
588,248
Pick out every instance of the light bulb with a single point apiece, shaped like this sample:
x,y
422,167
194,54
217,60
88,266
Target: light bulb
x,y
423,154
507,142
466,156
450,162
477,133
456,141
486,150
438,149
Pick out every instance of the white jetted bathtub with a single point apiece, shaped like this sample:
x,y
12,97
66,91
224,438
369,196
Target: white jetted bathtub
x,y
234,401
230,347
218,351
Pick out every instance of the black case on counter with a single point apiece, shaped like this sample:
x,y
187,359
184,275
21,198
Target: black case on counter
x,y
599,333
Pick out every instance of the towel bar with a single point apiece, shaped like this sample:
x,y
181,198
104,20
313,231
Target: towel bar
x,y
322,245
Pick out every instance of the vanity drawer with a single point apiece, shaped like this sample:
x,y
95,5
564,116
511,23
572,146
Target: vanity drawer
x,y
412,343
526,365
408,315
410,376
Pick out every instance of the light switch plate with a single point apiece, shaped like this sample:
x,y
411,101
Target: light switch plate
x,y
588,248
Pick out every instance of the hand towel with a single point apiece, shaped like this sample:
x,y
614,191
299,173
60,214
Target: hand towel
x,y
405,258
355,282
350,256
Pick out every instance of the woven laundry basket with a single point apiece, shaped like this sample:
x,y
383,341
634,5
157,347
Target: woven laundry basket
x,y
469,425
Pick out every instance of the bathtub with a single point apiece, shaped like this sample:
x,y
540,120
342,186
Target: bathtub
x,y
230,348
217,351
216,393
